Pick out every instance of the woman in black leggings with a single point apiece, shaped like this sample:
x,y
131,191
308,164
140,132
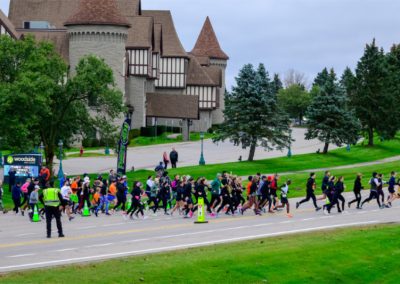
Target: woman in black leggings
x,y
136,205
226,200
357,191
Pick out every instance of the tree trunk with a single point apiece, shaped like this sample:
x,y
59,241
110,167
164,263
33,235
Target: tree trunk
x,y
252,151
370,136
49,154
326,147
300,119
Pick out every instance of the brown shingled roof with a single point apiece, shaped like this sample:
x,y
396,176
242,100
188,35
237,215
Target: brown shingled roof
x,y
207,43
8,25
196,75
157,37
172,106
171,45
98,12
56,12
215,73
140,33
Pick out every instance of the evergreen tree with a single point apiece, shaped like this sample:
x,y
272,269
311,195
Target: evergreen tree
x,y
321,78
390,122
329,119
348,82
369,96
252,115
277,84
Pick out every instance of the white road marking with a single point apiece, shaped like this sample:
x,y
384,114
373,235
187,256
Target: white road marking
x,y
362,212
88,227
99,245
27,234
21,255
309,219
67,249
111,225
168,248
286,222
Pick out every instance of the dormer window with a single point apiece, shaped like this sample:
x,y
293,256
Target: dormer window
x,y
44,25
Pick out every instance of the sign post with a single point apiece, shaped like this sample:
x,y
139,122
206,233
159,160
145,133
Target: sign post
x,y
123,146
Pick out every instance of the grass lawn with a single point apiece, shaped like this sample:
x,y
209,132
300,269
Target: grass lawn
x,y
86,154
163,139
352,255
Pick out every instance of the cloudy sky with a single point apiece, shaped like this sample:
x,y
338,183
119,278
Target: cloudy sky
x,y
305,35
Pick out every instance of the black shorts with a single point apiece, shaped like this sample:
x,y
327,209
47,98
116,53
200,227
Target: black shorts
x,y
189,200
273,193
284,200
65,202
391,190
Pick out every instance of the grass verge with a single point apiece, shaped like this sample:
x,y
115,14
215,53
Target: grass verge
x,y
350,255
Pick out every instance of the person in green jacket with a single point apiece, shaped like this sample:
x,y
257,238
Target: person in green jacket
x,y
216,191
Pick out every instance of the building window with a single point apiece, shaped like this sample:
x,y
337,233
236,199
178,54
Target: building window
x,y
172,73
155,65
139,61
37,25
207,96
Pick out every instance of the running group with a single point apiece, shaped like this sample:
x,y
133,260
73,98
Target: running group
x,y
179,195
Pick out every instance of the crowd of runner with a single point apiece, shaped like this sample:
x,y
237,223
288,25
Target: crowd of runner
x,y
226,194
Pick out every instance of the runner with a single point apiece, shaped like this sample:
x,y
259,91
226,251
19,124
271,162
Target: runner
x,y
357,191
216,191
374,182
66,202
311,185
284,198
324,186
136,206
252,197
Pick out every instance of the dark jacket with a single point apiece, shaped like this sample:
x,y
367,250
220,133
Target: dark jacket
x,y
173,156
16,192
357,186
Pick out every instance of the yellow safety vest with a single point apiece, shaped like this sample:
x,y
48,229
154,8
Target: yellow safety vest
x,y
50,197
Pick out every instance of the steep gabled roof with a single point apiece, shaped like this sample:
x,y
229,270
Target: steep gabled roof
x,y
8,25
157,37
57,12
207,43
215,73
196,74
140,33
171,45
98,12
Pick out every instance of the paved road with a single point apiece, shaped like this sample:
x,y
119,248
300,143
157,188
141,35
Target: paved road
x,y
189,154
23,246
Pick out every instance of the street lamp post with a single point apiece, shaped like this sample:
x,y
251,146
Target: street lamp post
x,y
60,170
289,154
42,151
202,162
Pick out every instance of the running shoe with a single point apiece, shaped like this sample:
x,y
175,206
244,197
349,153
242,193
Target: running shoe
x,y
289,215
297,205
318,208
190,214
71,218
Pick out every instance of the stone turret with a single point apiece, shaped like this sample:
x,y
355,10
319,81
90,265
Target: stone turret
x,y
207,46
98,28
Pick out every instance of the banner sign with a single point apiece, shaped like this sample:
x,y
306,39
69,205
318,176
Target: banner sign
x,y
25,166
123,146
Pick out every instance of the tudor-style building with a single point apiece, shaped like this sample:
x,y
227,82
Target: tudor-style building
x,y
162,83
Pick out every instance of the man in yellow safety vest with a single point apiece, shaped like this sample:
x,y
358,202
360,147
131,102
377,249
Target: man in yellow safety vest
x,y
51,197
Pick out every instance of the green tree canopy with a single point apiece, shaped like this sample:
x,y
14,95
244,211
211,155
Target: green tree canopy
x,y
294,100
369,96
252,115
40,103
329,118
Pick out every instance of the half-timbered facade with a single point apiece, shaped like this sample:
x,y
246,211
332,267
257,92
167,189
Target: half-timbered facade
x,y
162,82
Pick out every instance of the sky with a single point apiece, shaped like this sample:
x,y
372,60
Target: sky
x,y
304,35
